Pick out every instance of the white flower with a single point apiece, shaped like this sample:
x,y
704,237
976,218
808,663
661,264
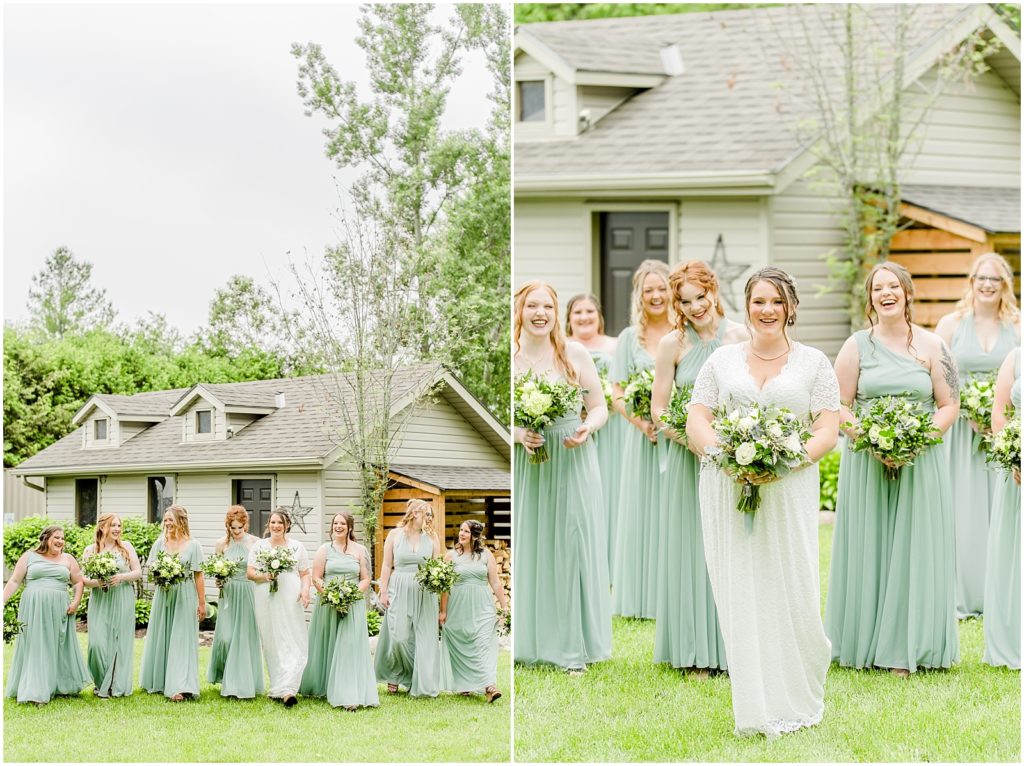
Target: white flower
x,y
885,443
974,401
276,563
745,424
910,422
734,414
746,453
793,443
874,433
775,430
535,403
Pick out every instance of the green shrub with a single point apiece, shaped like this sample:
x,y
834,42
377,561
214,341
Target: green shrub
x,y
140,534
373,621
828,480
24,535
15,600
143,606
82,612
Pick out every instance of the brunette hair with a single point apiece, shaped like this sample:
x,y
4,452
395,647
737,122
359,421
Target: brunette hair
x,y
576,299
699,273
235,513
782,282
476,537
638,316
1008,311
283,513
103,529
557,336
180,516
907,285
44,537
348,520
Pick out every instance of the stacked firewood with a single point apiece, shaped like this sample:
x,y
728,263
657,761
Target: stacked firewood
x,y
503,558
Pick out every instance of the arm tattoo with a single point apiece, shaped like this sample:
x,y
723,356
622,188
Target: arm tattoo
x,y
949,372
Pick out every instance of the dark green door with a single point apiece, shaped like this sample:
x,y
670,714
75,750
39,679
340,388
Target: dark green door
x,y
254,494
627,239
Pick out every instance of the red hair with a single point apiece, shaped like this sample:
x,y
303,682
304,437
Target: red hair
x,y
699,273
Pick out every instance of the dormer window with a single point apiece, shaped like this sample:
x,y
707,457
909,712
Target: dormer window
x,y
100,429
204,421
531,100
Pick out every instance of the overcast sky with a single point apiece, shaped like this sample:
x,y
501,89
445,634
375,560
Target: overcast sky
x,y
166,145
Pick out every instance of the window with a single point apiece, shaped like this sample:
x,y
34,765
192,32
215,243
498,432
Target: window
x,y
100,432
161,496
531,101
86,495
204,422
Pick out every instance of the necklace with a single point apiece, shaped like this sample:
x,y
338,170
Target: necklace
x,y
770,358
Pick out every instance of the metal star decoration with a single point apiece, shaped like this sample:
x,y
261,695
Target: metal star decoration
x,y
727,274
299,512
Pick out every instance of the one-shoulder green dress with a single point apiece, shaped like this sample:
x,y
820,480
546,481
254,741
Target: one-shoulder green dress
x,y
1002,574
686,633
47,658
469,639
562,609
635,583
170,656
236,662
408,648
890,594
111,655
609,441
975,485
339,665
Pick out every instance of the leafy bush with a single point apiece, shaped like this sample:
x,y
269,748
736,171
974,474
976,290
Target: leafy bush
x,y
373,621
828,480
15,600
82,613
140,534
24,535
143,606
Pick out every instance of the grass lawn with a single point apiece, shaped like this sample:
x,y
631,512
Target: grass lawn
x,y
629,709
148,727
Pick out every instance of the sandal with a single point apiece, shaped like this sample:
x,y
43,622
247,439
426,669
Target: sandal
x,y
900,672
392,688
351,708
177,697
492,693
575,672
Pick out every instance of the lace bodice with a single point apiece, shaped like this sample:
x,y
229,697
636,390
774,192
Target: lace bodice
x,y
805,384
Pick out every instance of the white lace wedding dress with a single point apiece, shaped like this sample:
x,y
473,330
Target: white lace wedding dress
x,y
282,623
765,579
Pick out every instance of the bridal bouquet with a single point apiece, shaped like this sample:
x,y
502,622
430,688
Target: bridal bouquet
x,y
221,568
675,414
504,621
101,566
340,594
894,427
275,561
538,402
12,625
757,440
1004,447
976,397
436,575
637,393
168,570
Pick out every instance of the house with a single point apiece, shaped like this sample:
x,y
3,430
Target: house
x,y
670,137
271,443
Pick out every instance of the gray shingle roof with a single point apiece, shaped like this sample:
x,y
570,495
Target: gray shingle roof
x,y
457,477
149,403
992,209
301,431
725,112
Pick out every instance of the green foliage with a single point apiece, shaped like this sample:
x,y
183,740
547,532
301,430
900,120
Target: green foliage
x,y
143,607
527,13
373,621
62,300
210,621
24,535
141,534
828,480
82,613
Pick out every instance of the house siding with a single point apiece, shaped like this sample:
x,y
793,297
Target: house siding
x,y
124,495
128,430
219,422
601,100
307,484
437,435
60,499
551,244
90,432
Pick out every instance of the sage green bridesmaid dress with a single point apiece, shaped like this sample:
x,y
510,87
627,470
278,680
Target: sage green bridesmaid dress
x,y
975,485
686,633
635,582
609,440
339,664
47,658
170,656
408,648
890,594
562,605
236,662
111,655
469,639
1002,574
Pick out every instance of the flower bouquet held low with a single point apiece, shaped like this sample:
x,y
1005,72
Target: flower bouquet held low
x,y
676,414
12,625
273,562
101,566
636,394
607,390
168,570
538,402
340,594
753,441
1004,447
894,428
221,568
976,397
504,622
436,575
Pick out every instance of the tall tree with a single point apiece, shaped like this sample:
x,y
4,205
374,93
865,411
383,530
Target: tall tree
x,y
63,300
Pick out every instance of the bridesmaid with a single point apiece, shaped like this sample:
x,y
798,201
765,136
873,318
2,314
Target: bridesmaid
x,y
890,593
1002,573
47,657
469,639
170,656
981,331
585,325
408,649
111,624
635,583
340,666
280,616
235,660
563,613
686,633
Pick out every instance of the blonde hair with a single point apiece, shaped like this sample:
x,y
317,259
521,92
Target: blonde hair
x,y
180,517
103,529
576,299
557,336
410,512
698,273
1008,311
638,316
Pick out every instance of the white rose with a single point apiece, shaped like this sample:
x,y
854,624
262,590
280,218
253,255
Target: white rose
x,y
973,401
745,423
745,453
775,430
885,442
734,414
276,564
793,443
874,433
536,403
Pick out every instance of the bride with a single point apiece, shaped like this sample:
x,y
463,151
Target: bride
x,y
765,576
